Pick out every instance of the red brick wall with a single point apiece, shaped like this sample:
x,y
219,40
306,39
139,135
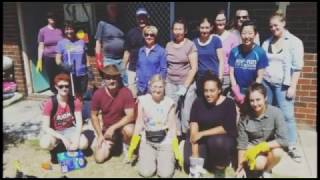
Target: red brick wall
x,y
11,43
306,100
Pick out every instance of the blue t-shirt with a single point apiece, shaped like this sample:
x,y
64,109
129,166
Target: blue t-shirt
x,y
77,55
112,40
147,66
207,55
247,65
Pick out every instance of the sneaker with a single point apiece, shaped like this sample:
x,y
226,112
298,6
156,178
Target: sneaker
x,y
54,159
294,154
266,174
219,173
197,172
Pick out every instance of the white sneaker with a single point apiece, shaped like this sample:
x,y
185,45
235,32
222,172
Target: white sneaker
x,y
294,154
266,174
197,172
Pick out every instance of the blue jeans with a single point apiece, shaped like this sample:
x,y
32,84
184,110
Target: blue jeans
x,y
276,95
120,66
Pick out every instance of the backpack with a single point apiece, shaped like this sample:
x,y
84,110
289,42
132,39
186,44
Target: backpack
x,y
55,105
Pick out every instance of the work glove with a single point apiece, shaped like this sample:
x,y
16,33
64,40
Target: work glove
x,y
177,153
237,94
99,62
133,145
39,65
251,153
66,67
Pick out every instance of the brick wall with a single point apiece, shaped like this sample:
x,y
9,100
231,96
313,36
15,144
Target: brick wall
x,y
11,44
306,100
302,22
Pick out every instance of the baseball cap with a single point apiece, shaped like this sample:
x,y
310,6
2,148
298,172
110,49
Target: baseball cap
x,y
141,11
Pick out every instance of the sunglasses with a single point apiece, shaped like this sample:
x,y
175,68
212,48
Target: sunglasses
x,y
63,86
151,35
242,17
111,77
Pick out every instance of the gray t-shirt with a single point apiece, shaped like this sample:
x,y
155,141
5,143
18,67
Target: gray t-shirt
x,y
178,61
112,39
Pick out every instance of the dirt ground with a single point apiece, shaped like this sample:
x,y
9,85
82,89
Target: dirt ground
x,y
31,156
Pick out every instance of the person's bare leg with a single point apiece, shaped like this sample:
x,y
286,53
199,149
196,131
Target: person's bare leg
x,y
127,132
261,162
48,142
102,153
274,158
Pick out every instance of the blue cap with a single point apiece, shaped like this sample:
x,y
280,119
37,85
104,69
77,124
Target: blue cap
x,y
141,11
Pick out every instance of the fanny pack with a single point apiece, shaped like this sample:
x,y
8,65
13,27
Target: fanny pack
x,y
156,136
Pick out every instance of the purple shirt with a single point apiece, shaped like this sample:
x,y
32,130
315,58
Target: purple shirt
x,y
50,38
77,51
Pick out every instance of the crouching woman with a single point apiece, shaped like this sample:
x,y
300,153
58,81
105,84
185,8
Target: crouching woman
x,y
262,135
62,119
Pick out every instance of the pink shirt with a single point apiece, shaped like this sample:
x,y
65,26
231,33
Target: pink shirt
x,y
229,41
63,118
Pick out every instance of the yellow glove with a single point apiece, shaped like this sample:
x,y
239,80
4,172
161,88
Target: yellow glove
x,y
133,145
39,65
177,153
251,153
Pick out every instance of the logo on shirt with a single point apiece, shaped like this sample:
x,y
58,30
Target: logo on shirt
x,y
248,64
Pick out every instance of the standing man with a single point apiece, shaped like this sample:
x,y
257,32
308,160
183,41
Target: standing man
x,y
241,16
110,38
134,41
117,106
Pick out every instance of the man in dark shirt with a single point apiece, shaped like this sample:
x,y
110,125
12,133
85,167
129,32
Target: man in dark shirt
x,y
134,41
110,42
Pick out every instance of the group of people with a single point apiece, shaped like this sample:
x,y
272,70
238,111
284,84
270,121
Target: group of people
x,y
199,104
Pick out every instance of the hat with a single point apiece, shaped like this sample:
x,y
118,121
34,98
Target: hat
x,y
51,15
111,70
141,11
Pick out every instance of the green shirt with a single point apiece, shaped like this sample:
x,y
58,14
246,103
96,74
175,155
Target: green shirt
x,y
270,126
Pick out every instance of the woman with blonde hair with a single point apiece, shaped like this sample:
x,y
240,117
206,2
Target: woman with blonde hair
x,y
156,125
285,53
151,60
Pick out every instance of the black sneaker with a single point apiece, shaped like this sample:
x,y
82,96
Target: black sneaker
x,y
54,159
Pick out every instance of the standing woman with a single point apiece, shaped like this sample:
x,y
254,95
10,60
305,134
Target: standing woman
x,y
210,53
229,41
182,60
71,57
247,62
285,53
156,125
262,135
48,38
151,60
